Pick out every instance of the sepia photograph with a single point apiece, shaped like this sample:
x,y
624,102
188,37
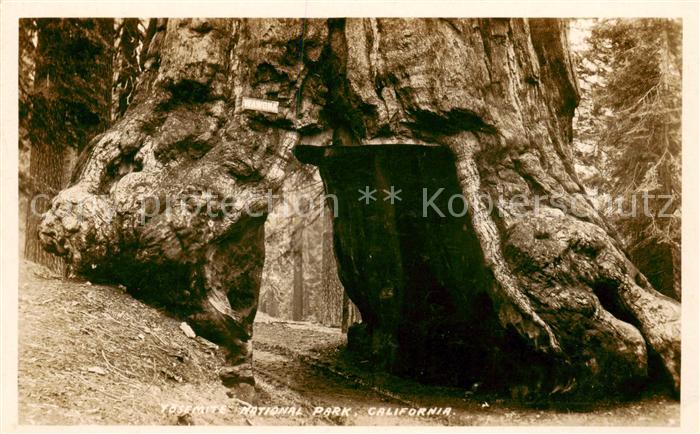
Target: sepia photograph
x,y
347,219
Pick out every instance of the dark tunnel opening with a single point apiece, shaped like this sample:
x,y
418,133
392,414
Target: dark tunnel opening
x,y
414,267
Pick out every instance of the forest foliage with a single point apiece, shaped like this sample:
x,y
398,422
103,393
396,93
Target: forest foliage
x,y
632,79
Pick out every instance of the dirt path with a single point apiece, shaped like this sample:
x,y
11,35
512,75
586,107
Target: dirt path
x,y
91,354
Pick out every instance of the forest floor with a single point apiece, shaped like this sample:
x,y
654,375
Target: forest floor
x,y
91,354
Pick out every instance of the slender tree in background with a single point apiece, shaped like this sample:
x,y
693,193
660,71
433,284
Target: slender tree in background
x,y
350,314
70,104
27,47
640,140
27,34
296,249
300,276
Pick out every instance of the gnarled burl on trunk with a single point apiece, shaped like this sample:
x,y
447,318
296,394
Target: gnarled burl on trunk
x,y
538,298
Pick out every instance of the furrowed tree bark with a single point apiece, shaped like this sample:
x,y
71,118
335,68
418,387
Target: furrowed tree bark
x,y
332,289
171,201
538,300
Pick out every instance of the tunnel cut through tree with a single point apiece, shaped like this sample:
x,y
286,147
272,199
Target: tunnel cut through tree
x,y
550,288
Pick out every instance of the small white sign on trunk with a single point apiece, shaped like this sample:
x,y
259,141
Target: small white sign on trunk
x,y
260,105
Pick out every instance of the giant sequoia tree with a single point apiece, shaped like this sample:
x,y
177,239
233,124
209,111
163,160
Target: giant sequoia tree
x,y
536,298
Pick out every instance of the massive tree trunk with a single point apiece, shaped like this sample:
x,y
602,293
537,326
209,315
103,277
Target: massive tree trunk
x,y
532,298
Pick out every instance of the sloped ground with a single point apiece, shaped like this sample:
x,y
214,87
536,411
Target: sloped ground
x,y
91,354
94,355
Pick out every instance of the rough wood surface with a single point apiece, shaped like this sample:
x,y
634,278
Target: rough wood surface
x,y
497,94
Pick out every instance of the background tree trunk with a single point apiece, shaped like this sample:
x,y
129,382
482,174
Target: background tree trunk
x,y
350,313
27,66
70,102
538,300
46,170
296,249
